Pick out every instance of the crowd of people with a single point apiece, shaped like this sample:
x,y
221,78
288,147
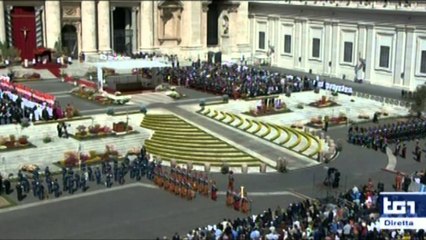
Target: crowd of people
x,y
379,137
236,80
354,215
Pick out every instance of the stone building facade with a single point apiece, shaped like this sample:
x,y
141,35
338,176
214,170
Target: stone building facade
x,y
187,28
383,42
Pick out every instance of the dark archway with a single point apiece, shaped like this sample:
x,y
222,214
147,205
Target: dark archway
x,y
213,23
70,40
123,33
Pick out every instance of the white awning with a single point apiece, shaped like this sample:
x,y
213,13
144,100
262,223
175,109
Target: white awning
x,y
131,64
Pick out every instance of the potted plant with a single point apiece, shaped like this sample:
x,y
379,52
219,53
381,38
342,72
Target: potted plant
x,y
143,109
202,103
47,139
23,140
225,98
300,106
110,111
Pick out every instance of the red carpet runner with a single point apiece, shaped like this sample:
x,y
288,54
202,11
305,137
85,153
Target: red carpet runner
x,y
54,68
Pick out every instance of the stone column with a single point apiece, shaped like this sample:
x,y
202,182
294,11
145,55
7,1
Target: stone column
x,y
53,25
112,9
362,45
369,56
2,23
335,49
409,80
399,56
104,28
297,42
88,20
205,9
327,48
147,26
134,29
304,43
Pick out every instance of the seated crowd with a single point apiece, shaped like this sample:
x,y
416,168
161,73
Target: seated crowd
x,y
236,80
353,216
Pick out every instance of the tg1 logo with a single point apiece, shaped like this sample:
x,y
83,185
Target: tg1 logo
x,y
398,207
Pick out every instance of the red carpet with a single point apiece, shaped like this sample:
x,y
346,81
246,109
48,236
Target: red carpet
x,y
54,68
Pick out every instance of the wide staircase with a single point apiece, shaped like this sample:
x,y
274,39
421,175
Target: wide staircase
x,y
175,139
292,139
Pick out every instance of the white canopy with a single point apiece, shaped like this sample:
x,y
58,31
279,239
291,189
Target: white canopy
x,y
127,64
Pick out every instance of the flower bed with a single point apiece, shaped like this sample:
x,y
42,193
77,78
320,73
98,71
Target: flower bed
x,y
90,93
97,131
272,111
318,122
71,158
175,94
324,102
27,77
12,143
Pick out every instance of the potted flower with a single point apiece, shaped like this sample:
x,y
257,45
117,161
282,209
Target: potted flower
x,y
202,103
23,140
225,98
47,139
143,109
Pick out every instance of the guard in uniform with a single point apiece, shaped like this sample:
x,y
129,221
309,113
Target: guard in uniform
x,y
206,186
231,181
237,201
404,150
245,205
213,194
177,188
229,198
172,185
19,191
183,190
7,186
1,184
166,182
397,148
56,189
98,175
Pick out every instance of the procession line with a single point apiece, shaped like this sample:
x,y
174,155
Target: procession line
x,y
78,195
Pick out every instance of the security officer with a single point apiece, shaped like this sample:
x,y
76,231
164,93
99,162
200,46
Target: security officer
x,y
1,184
7,186
90,173
404,150
19,191
98,175
77,180
56,189
47,172
49,184
40,191
83,184
108,181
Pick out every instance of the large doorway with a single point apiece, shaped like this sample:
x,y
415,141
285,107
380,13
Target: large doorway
x,y
122,30
24,31
70,40
213,23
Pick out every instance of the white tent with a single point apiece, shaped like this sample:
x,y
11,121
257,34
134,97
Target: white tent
x,y
126,64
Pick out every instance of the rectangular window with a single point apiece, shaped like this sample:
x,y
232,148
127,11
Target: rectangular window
x,y
384,56
261,40
347,52
316,47
287,43
423,62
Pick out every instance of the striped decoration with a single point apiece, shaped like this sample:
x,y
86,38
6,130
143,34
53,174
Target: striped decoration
x,y
9,36
39,26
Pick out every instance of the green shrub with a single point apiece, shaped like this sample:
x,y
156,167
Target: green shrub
x,y
143,109
225,98
202,103
224,169
110,111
